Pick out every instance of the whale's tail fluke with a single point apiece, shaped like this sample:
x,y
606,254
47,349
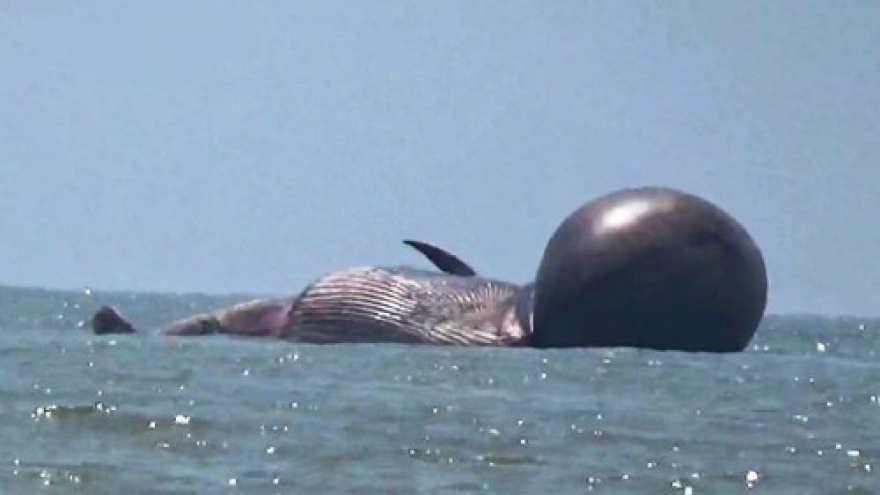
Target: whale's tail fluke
x,y
256,318
108,320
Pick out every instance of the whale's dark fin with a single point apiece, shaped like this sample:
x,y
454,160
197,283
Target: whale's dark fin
x,y
442,259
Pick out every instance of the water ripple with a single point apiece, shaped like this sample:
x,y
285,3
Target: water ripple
x,y
144,414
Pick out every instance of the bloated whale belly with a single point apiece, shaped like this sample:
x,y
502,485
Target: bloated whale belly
x,y
406,305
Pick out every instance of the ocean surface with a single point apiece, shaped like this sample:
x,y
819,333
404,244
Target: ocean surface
x,y
798,413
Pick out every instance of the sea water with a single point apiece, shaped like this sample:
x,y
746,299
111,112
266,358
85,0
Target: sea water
x,y
797,413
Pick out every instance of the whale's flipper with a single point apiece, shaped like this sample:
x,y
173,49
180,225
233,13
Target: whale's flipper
x,y
442,259
109,320
199,324
255,318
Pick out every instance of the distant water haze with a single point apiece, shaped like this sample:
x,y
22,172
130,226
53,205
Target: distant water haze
x,y
229,147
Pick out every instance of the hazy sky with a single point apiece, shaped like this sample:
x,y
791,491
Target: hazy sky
x,y
220,146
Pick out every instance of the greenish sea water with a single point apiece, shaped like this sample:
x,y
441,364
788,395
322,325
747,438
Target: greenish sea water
x,y
798,413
